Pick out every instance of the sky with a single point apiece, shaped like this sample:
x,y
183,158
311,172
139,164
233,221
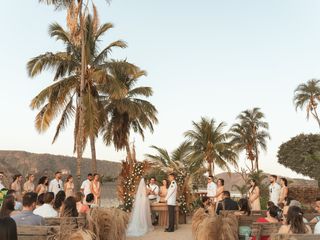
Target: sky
x,y
204,58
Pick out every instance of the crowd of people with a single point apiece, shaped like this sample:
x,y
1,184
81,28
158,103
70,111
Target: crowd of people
x,y
26,203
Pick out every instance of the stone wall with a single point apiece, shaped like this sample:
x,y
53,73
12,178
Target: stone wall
x,y
305,195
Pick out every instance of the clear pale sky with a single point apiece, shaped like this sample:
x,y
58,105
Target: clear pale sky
x,y
203,58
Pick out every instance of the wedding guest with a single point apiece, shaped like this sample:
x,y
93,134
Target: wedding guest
x,y
42,185
47,210
153,194
272,217
254,195
79,200
220,190
2,185
40,200
7,208
284,189
244,207
295,223
69,208
8,229
211,189
17,204
96,188
27,217
16,185
86,185
56,184
89,204
69,186
317,228
171,201
317,208
226,203
59,199
163,190
274,190
287,201
28,186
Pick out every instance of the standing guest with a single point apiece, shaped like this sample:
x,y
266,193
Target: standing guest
x,y
153,193
56,184
47,210
171,201
286,202
16,185
27,217
220,190
17,204
96,188
59,199
42,185
284,189
295,223
2,185
274,190
163,190
69,186
8,229
86,185
69,208
7,208
79,200
226,203
254,195
211,189
28,186
40,200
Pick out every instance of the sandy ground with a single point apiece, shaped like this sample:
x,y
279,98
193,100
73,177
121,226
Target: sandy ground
x,y
183,233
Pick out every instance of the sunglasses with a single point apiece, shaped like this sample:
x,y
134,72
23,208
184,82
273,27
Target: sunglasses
x,y
59,186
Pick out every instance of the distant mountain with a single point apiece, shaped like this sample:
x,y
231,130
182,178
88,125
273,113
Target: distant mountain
x,y
13,162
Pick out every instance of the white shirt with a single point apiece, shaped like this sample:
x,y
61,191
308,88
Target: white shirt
x,y
274,193
46,211
317,228
171,197
55,186
211,189
86,186
155,189
1,185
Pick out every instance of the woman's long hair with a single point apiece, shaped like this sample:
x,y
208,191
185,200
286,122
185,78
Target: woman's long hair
x,y
8,229
69,208
295,220
254,185
42,180
15,177
7,206
60,197
244,206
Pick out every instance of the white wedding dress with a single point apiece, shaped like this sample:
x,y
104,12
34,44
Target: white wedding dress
x,y
140,220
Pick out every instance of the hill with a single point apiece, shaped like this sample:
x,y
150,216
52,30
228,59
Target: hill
x,y
13,162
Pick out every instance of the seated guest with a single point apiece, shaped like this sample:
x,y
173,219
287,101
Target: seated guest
x,y
244,207
294,223
8,229
79,200
287,202
89,203
272,215
46,210
26,217
69,208
7,208
317,228
17,204
40,200
227,203
317,208
60,197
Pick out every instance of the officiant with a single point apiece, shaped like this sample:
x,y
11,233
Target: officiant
x,y
153,195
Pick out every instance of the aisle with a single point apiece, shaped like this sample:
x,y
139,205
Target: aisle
x,y
183,233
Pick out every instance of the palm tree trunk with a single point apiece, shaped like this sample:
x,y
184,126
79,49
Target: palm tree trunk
x,y
315,114
257,159
210,168
93,154
252,167
129,156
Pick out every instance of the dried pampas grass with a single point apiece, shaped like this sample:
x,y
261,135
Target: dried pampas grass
x,y
83,235
108,223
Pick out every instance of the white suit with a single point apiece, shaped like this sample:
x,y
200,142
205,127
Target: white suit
x,y
171,197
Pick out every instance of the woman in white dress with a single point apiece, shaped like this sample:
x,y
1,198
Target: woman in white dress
x,y
140,220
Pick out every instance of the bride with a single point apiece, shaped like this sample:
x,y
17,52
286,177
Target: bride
x,y
140,220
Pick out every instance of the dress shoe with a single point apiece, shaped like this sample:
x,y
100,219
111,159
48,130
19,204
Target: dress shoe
x,y
168,230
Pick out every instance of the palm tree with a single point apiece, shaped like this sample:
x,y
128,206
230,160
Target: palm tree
x,y
210,145
127,109
308,95
63,96
250,134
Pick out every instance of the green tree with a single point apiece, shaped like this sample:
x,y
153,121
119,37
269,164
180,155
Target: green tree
x,y
62,97
302,155
250,134
127,108
210,145
308,95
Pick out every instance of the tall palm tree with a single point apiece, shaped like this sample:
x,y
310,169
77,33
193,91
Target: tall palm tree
x,y
308,95
127,109
62,97
210,145
250,134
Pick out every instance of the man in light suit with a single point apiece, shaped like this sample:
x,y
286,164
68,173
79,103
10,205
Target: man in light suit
x,y
171,201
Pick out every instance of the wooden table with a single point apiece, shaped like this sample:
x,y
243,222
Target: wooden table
x,y
162,209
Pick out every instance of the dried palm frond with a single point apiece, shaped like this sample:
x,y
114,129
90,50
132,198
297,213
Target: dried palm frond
x,y
83,234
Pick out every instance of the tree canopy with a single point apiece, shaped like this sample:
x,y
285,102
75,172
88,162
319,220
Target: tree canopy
x,y
302,155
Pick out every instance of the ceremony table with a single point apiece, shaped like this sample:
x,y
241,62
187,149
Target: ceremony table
x,y
162,209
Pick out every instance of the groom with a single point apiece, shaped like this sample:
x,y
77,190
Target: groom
x,y
171,201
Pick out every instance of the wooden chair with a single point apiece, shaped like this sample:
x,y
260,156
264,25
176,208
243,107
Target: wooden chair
x,y
37,232
80,221
295,237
